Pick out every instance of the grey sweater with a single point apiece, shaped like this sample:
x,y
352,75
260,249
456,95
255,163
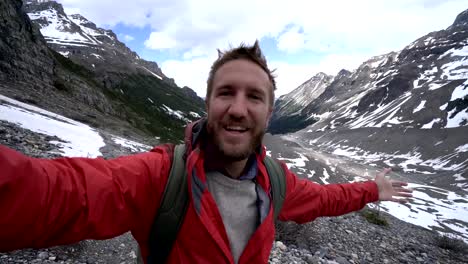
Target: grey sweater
x,y
237,203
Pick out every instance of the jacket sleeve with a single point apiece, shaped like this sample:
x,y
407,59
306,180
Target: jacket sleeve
x,y
47,202
306,200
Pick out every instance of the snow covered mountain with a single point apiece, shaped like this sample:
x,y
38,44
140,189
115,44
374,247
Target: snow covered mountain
x,y
68,65
83,42
407,110
289,106
422,86
353,124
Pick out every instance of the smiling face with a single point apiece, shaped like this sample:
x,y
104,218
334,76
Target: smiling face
x,y
239,108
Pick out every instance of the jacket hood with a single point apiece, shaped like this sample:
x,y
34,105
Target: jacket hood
x,y
193,134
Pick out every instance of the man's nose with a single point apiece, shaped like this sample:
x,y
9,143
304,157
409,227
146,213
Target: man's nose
x,y
238,107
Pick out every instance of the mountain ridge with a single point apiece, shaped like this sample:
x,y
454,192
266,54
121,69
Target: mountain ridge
x,y
102,83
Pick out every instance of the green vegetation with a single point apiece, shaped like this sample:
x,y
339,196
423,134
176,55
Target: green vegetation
x,y
288,124
451,242
374,217
138,99
71,66
146,95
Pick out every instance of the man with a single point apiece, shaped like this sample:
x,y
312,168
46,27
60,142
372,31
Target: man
x,y
229,218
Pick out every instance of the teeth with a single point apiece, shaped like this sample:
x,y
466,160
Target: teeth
x,y
236,128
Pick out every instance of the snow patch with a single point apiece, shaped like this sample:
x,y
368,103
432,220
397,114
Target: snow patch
x,y
134,146
419,107
443,107
154,74
430,124
177,113
80,139
196,115
325,177
430,212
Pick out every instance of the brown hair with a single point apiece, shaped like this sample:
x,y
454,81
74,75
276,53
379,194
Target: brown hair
x,y
250,53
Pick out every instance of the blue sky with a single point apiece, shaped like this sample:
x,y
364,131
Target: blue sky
x,y
299,37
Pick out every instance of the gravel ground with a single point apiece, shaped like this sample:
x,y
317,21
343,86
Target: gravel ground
x,y
345,239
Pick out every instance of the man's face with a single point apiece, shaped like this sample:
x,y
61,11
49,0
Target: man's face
x,y
239,108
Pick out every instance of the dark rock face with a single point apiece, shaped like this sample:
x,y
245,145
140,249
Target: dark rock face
x,y
93,78
288,107
24,56
94,48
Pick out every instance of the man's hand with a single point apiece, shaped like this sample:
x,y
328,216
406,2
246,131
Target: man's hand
x,y
390,190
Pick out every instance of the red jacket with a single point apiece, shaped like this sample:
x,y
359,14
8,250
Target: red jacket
x,y
61,201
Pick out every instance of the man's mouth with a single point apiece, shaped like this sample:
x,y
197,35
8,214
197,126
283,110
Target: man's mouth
x,y
236,129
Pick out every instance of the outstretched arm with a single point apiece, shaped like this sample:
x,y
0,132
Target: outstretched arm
x,y
52,202
306,200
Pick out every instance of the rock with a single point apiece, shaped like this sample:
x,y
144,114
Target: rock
x,y
312,259
43,255
349,231
280,245
342,260
322,252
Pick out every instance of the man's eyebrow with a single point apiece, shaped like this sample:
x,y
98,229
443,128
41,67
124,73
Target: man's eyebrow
x,y
225,87
256,90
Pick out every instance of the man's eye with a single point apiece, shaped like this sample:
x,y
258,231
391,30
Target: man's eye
x,y
225,93
255,97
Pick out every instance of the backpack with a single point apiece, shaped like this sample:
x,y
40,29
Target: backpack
x,y
175,202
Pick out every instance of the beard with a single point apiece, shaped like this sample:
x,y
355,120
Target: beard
x,y
231,152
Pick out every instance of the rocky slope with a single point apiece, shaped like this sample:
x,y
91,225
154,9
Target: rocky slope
x,y
288,108
345,239
422,86
130,95
84,43
407,110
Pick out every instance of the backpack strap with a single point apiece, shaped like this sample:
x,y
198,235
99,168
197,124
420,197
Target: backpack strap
x,y
278,183
172,210
175,199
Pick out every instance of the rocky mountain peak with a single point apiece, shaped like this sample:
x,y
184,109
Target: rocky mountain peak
x,y
68,65
43,5
81,20
319,76
80,40
343,72
462,19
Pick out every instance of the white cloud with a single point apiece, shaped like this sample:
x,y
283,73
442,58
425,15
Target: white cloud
x,y
159,40
291,40
192,73
340,31
128,38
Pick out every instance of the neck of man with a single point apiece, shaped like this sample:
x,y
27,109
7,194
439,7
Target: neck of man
x,y
214,160
235,168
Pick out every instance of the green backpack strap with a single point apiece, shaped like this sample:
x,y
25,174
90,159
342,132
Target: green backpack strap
x,y
174,204
172,210
278,183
